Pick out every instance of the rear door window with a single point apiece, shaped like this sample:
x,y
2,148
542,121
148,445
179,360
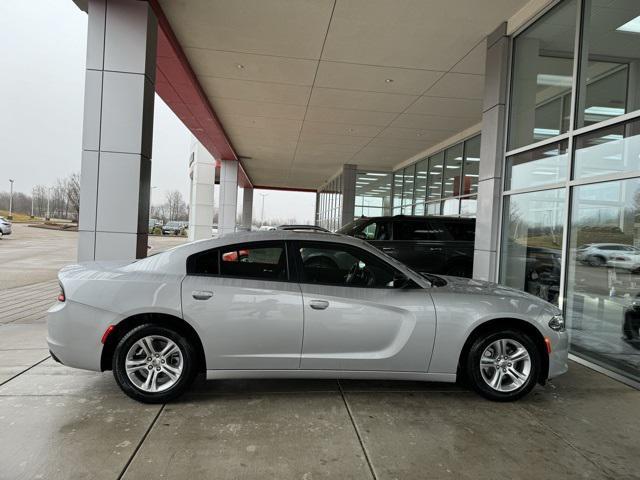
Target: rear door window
x,y
417,230
263,260
458,230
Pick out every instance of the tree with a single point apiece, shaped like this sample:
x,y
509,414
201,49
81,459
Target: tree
x,y
72,187
175,206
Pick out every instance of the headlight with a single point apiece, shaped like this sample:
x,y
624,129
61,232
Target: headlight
x,y
557,323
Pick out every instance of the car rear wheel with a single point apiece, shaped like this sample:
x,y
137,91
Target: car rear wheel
x,y
153,364
596,261
503,366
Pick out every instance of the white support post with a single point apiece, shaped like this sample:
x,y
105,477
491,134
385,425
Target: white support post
x,y
228,197
202,170
247,208
491,157
118,129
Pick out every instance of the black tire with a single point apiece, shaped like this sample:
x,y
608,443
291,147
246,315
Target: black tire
x,y
473,370
189,367
596,261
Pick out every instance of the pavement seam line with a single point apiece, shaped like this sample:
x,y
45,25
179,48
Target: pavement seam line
x,y
142,440
605,471
25,370
355,427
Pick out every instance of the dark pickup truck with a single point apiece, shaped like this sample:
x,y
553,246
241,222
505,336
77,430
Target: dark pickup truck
x,y
441,245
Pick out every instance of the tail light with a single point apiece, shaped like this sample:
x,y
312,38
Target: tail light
x,y
61,295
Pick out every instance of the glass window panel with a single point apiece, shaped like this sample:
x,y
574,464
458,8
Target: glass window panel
x,y
609,150
434,183
603,287
452,171
422,170
397,189
451,206
258,260
468,207
612,47
532,242
433,208
418,209
407,187
540,166
542,76
471,165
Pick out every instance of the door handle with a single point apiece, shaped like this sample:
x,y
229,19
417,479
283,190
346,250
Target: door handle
x,y
389,249
202,294
318,304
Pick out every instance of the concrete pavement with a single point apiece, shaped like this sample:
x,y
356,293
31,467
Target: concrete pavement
x,y
31,255
61,423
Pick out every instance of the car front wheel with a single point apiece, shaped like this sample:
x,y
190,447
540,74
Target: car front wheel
x,y
153,364
503,366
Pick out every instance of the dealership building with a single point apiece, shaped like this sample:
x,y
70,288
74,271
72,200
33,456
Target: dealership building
x,y
524,114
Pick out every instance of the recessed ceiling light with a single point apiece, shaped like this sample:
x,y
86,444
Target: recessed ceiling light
x,y
388,80
240,66
632,26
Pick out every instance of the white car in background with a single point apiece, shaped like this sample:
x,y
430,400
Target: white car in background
x,y
616,255
5,227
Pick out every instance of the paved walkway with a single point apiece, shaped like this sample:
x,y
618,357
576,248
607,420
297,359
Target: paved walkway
x,y
60,423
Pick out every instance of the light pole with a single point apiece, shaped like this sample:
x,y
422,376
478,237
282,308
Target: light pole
x,y
262,214
11,200
33,194
48,217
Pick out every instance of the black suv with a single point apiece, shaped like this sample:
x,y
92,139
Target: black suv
x,y
427,244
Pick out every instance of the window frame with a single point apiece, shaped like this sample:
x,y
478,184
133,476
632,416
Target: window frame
x,y
297,260
248,245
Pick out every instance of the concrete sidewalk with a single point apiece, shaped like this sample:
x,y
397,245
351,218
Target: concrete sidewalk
x,y
60,423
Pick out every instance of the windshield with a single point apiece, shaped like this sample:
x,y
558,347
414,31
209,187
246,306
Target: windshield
x,y
352,227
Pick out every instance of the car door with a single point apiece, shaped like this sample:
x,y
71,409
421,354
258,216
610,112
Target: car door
x,y
249,315
355,315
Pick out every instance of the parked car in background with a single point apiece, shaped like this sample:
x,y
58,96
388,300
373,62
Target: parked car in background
x,y
267,228
616,255
173,228
5,227
440,245
288,304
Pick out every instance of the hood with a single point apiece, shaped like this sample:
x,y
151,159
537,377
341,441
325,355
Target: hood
x,y
480,287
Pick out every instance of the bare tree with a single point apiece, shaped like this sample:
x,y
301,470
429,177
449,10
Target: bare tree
x,y
175,206
72,187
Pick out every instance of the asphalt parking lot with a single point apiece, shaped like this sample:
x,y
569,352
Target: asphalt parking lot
x,y
60,423
31,255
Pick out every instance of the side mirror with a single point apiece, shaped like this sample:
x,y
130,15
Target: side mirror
x,y
361,236
400,280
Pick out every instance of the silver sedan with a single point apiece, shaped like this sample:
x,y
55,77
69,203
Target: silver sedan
x,y
290,304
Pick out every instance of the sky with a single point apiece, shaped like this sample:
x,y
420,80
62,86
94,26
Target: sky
x,y
42,60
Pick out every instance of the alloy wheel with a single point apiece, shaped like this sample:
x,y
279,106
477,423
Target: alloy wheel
x,y
505,365
154,363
